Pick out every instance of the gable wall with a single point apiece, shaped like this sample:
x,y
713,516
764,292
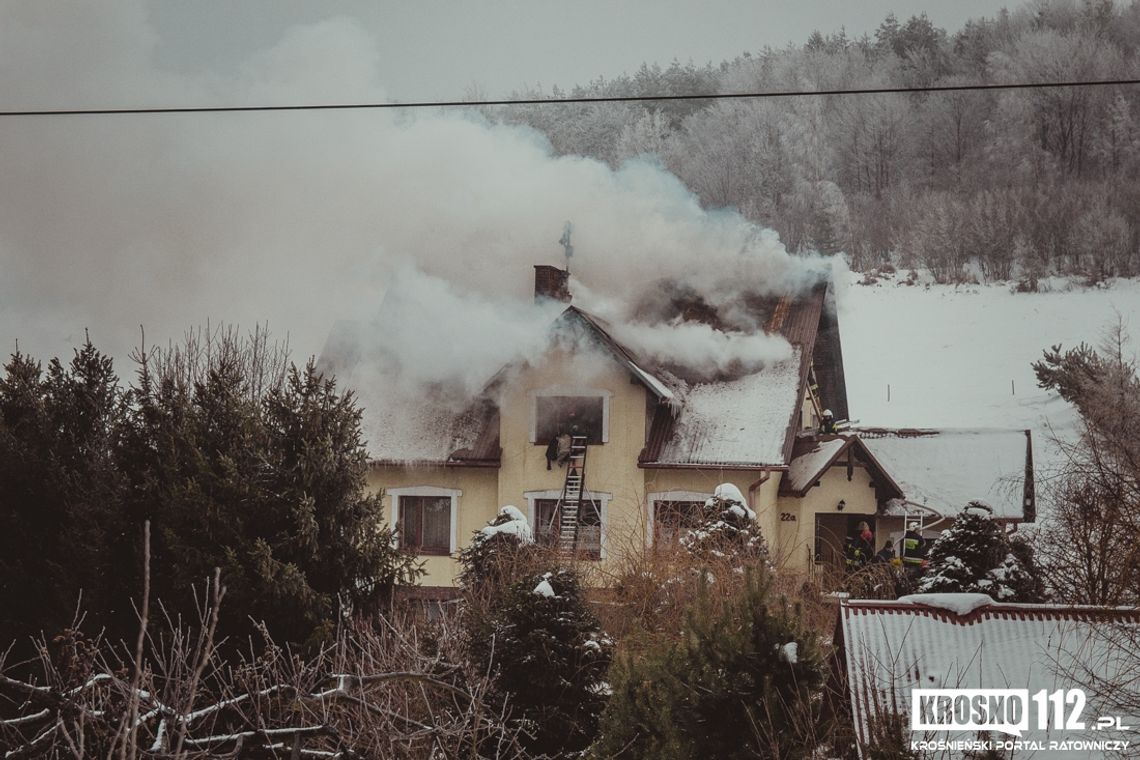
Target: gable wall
x,y
796,537
611,468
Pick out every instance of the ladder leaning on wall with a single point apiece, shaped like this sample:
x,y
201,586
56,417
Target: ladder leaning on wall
x,y
571,500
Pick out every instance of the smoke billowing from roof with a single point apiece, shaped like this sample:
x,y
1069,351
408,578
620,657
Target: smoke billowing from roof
x,y
301,219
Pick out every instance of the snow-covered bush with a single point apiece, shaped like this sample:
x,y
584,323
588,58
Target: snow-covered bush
x,y
727,529
495,550
976,555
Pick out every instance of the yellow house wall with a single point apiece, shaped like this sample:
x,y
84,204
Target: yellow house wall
x,y
809,415
476,505
796,538
611,468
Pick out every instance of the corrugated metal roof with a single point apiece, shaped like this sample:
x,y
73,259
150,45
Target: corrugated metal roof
x,y
889,648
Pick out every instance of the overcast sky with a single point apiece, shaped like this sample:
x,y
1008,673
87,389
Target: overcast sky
x,y
432,49
300,219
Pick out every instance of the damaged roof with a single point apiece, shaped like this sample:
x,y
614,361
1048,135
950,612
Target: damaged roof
x,y
431,431
752,421
740,422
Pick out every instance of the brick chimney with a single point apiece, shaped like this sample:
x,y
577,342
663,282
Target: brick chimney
x,y
551,282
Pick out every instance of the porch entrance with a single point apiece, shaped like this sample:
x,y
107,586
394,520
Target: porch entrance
x,y
831,532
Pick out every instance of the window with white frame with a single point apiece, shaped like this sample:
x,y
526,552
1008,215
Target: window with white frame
x,y
425,518
546,521
573,411
671,514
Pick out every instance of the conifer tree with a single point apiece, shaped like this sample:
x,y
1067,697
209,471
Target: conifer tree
x,y
59,491
744,683
258,469
976,556
550,661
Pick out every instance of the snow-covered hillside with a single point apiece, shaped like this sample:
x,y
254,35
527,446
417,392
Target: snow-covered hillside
x,y
960,356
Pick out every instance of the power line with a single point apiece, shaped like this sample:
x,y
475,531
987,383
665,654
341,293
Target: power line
x,y
563,101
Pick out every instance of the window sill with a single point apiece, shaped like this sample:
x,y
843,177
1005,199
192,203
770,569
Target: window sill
x,y
544,445
420,551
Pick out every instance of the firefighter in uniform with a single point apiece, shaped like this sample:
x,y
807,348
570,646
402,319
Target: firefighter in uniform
x,y
913,548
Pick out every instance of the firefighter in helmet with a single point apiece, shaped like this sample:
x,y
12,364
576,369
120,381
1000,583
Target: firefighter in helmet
x,y
913,547
860,547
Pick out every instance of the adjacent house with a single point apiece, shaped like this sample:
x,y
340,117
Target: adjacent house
x,y
650,445
886,649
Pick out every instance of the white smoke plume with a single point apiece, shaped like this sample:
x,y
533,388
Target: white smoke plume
x,y
304,219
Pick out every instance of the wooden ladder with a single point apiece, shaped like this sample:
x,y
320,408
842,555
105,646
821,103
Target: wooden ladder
x,y
571,500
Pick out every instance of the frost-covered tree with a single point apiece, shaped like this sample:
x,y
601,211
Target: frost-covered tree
x,y
1090,543
975,555
727,529
549,657
744,682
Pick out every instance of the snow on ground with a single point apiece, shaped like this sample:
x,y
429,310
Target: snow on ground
x,y
950,353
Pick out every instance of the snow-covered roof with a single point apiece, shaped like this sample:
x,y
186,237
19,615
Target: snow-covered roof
x,y
812,456
736,422
428,431
806,468
396,431
946,469
892,647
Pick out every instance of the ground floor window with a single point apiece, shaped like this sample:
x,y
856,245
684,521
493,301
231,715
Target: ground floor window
x,y
672,519
548,524
425,524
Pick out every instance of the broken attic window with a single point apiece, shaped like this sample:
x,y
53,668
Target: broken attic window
x,y
575,415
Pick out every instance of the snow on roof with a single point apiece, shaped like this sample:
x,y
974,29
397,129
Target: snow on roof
x,y
946,469
395,430
742,421
655,384
805,469
602,332
960,604
892,647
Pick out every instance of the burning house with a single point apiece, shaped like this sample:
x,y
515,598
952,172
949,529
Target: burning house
x,y
605,443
